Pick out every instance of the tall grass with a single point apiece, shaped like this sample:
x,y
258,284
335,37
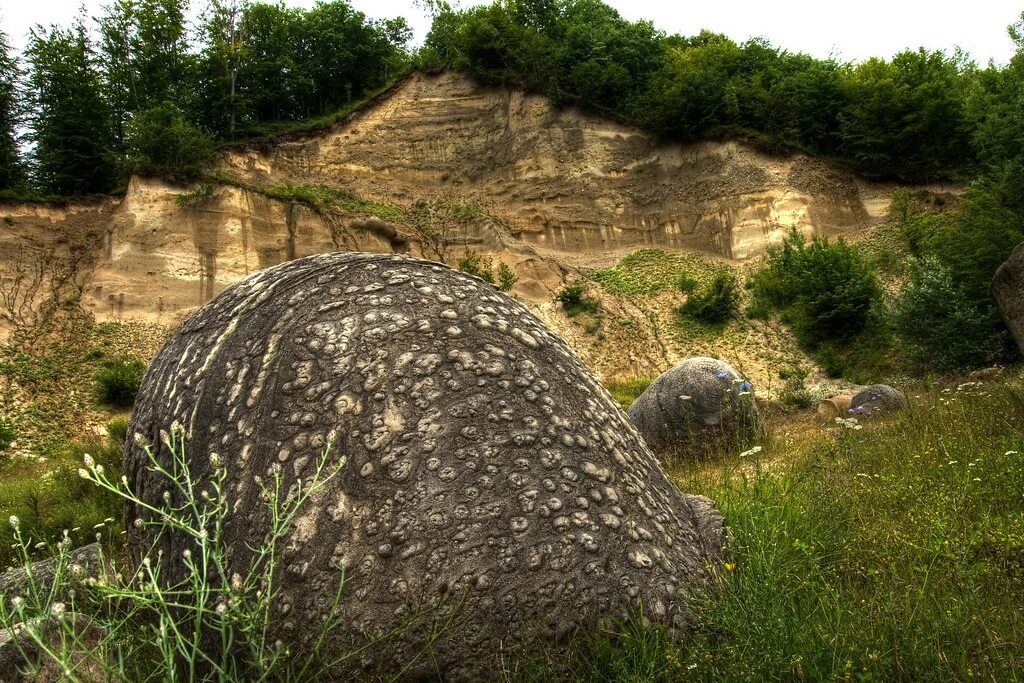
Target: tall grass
x,y
880,551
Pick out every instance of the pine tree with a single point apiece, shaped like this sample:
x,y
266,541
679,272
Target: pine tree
x,y
70,120
11,169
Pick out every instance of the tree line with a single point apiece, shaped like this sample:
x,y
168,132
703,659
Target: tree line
x,y
141,89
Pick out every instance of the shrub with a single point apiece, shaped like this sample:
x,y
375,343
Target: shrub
x,y
714,303
473,263
118,382
574,301
795,393
162,142
824,289
942,329
506,277
7,434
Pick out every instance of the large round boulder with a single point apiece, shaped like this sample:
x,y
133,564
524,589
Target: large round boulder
x,y
1007,288
698,405
877,399
489,482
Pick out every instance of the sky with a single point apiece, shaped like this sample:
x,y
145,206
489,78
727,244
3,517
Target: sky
x,y
852,30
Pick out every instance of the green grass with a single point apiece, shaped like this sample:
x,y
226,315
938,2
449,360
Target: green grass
x,y
324,200
628,390
893,552
649,271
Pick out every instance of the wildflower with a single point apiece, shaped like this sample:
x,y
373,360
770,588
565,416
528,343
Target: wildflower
x,y
221,609
729,566
76,569
186,553
89,462
236,582
146,561
745,386
99,526
58,609
721,374
138,523
82,473
13,521
99,469
167,496
177,428
753,451
124,479
977,479
40,546
684,397
1006,453
17,602
215,460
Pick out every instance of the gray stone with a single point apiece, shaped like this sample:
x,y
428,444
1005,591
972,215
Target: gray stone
x,y
877,399
80,562
488,479
1007,289
700,404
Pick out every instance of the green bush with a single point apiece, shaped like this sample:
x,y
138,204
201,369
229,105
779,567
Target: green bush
x,y
7,434
162,142
473,263
506,277
117,382
941,328
824,289
714,303
574,301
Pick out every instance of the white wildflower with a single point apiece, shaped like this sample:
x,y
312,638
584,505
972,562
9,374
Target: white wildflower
x,y
138,523
222,608
13,521
753,451
82,473
89,462
58,609
17,602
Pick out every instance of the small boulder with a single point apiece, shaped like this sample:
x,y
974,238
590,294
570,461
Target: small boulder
x,y
877,399
700,404
1007,289
835,406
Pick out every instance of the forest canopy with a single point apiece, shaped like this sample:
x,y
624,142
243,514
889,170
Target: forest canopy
x,y
73,106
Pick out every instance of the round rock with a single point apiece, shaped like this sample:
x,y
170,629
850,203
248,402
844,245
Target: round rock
x,y
699,404
489,483
877,399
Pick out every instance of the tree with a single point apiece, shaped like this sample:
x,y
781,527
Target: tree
x,y
223,55
11,170
70,121
162,142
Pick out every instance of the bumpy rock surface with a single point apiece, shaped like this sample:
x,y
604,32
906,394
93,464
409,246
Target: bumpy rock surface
x,y
698,401
486,470
877,399
1008,290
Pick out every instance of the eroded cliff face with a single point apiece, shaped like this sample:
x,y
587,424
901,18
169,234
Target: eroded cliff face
x,y
565,180
560,192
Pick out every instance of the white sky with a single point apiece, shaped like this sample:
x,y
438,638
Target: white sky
x,y
852,30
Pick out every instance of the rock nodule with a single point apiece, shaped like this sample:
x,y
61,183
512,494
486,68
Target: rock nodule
x,y
487,475
699,402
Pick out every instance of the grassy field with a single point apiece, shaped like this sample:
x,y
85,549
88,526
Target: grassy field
x,y
887,551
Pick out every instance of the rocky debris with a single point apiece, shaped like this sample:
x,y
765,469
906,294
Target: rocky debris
x,y
699,403
835,406
1007,289
488,480
877,399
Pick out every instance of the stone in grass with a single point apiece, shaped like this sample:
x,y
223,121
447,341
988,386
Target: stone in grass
x,y
877,399
489,482
699,405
